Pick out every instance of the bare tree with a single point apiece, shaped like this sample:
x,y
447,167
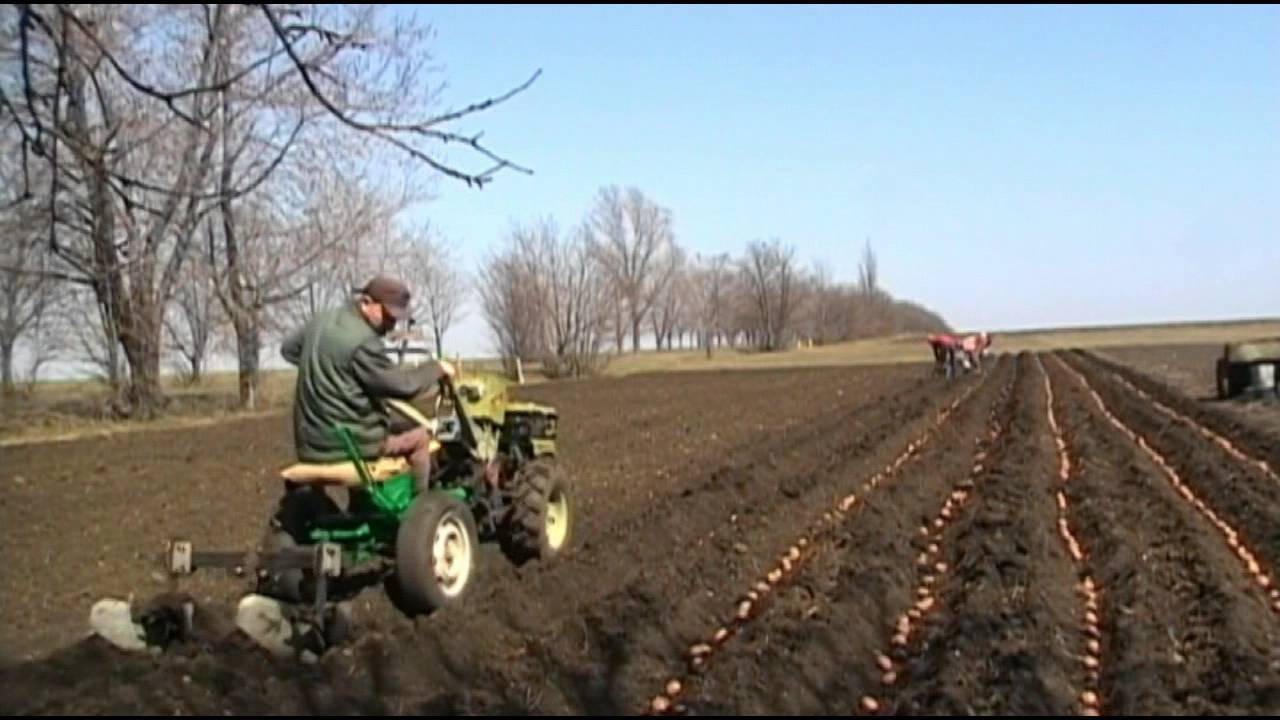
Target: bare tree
x,y
562,289
192,321
571,292
25,290
874,306
868,272
319,44
845,311
127,239
823,306
259,117
346,234
770,275
688,320
633,241
510,306
93,337
104,87
669,303
912,317
615,316
711,289
440,285
45,342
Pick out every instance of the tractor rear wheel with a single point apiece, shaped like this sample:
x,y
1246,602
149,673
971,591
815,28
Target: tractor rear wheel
x,y
540,524
437,549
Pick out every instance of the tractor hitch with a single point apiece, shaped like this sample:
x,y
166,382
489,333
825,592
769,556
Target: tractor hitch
x,y
325,559
260,617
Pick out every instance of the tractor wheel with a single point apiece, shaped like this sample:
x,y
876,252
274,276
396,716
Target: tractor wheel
x,y
541,521
288,528
437,551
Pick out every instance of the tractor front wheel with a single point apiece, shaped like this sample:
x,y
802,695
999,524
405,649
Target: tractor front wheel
x,y
540,524
436,552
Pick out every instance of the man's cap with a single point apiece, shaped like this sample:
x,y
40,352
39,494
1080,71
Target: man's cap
x,y
391,293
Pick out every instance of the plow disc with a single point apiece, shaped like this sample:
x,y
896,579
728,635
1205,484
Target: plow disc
x,y
275,626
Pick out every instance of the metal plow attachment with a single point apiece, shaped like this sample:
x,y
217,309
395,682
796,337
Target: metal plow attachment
x,y
283,629
277,628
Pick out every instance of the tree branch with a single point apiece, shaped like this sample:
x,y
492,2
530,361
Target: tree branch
x,y
485,105
167,98
49,274
381,130
26,16
281,296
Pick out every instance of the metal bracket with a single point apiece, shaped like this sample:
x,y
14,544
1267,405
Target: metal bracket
x,y
180,557
329,560
324,560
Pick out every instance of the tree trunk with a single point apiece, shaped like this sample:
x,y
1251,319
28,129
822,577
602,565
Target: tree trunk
x,y
6,372
439,342
134,312
141,346
142,350
248,352
635,333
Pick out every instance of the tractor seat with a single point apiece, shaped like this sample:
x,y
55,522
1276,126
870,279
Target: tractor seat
x,y
345,472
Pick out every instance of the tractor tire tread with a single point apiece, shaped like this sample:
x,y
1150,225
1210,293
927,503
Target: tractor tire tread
x,y
527,524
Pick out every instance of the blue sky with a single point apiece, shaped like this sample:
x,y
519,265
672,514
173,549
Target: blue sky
x,y
1012,167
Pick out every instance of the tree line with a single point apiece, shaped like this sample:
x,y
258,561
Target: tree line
x,y
618,280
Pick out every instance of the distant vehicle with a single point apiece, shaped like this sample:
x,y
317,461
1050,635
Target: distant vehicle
x,y
1250,369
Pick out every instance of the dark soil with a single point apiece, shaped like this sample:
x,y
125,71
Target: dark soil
x,y
1185,630
689,488
1187,372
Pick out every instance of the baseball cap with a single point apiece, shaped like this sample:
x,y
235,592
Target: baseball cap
x,y
391,293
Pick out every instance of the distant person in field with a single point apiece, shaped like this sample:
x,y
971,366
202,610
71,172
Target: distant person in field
x,y
976,347
944,347
344,375
948,348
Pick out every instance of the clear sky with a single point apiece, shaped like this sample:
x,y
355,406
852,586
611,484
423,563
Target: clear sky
x,y
1012,167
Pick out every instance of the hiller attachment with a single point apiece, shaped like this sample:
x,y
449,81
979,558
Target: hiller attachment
x,y
262,618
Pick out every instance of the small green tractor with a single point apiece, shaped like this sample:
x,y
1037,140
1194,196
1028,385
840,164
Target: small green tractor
x,y
495,477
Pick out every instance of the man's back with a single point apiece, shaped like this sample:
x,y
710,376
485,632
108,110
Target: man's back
x,y
329,390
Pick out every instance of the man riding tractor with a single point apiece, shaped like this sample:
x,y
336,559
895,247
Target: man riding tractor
x,y
344,377
419,502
